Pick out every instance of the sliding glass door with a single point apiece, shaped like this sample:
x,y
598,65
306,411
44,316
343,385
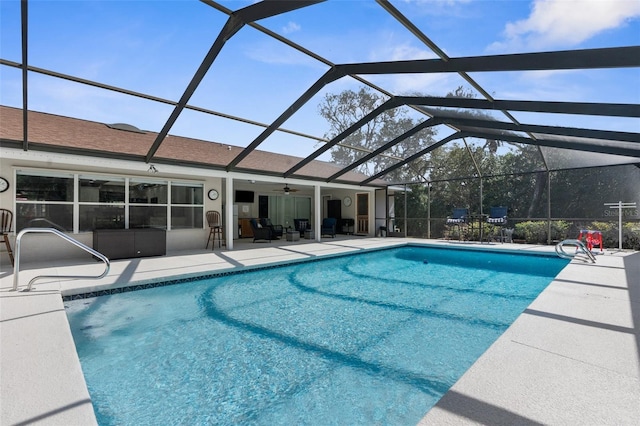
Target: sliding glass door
x,y
284,208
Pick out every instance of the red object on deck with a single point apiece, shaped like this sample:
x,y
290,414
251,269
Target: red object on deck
x,y
594,238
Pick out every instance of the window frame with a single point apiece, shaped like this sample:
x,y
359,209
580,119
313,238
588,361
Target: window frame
x,y
128,181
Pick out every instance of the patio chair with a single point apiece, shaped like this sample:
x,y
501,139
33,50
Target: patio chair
x,y
457,219
458,216
301,225
6,220
259,231
347,226
215,228
276,230
498,217
328,227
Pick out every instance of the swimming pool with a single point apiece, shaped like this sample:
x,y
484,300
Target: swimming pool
x,y
372,338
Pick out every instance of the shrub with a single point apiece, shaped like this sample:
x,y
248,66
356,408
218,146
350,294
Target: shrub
x,y
631,236
535,232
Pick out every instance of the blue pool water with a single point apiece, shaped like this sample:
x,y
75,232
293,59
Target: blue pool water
x,y
375,338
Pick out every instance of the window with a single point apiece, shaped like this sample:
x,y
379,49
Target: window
x,y
187,206
148,204
101,203
44,201
49,199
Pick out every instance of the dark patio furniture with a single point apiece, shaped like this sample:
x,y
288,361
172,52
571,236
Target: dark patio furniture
x,y
301,225
347,226
259,231
276,230
328,227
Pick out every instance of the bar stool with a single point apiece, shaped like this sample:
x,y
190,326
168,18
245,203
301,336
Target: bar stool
x,y
6,220
215,228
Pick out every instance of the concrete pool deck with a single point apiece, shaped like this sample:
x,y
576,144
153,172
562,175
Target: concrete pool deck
x,y
571,358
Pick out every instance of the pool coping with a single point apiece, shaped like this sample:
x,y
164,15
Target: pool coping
x,y
42,379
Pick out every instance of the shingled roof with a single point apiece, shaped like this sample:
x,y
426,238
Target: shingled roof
x,y
49,132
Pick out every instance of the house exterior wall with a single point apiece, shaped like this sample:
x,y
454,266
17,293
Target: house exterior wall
x,y
38,247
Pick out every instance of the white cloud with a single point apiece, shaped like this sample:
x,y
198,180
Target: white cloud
x,y
406,52
291,27
409,84
388,48
554,23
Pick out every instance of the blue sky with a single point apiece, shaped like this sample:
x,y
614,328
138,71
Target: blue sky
x,y
154,47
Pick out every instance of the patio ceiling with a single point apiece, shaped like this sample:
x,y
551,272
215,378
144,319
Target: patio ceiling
x,y
463,117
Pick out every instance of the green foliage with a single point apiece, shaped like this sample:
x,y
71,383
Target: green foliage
x,y
631,236
535,232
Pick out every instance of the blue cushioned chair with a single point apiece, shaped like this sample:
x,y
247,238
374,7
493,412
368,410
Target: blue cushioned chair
x,y
498,217
457,219
459,216
328,227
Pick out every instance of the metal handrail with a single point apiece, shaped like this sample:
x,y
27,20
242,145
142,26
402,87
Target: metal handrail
x,y
16,266
578,245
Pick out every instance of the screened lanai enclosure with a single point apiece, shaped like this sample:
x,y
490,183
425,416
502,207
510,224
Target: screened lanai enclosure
x,y
437,105
543,207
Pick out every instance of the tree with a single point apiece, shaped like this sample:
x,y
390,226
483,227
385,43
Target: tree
x,y
490,145
343,109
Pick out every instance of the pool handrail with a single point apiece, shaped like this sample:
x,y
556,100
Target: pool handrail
x,y
579,245
16,266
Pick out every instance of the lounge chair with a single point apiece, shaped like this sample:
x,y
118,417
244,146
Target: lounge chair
x,y
276,230
259,231
328,227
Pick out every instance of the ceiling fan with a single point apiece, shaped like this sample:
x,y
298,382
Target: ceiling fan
x,y
286,190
